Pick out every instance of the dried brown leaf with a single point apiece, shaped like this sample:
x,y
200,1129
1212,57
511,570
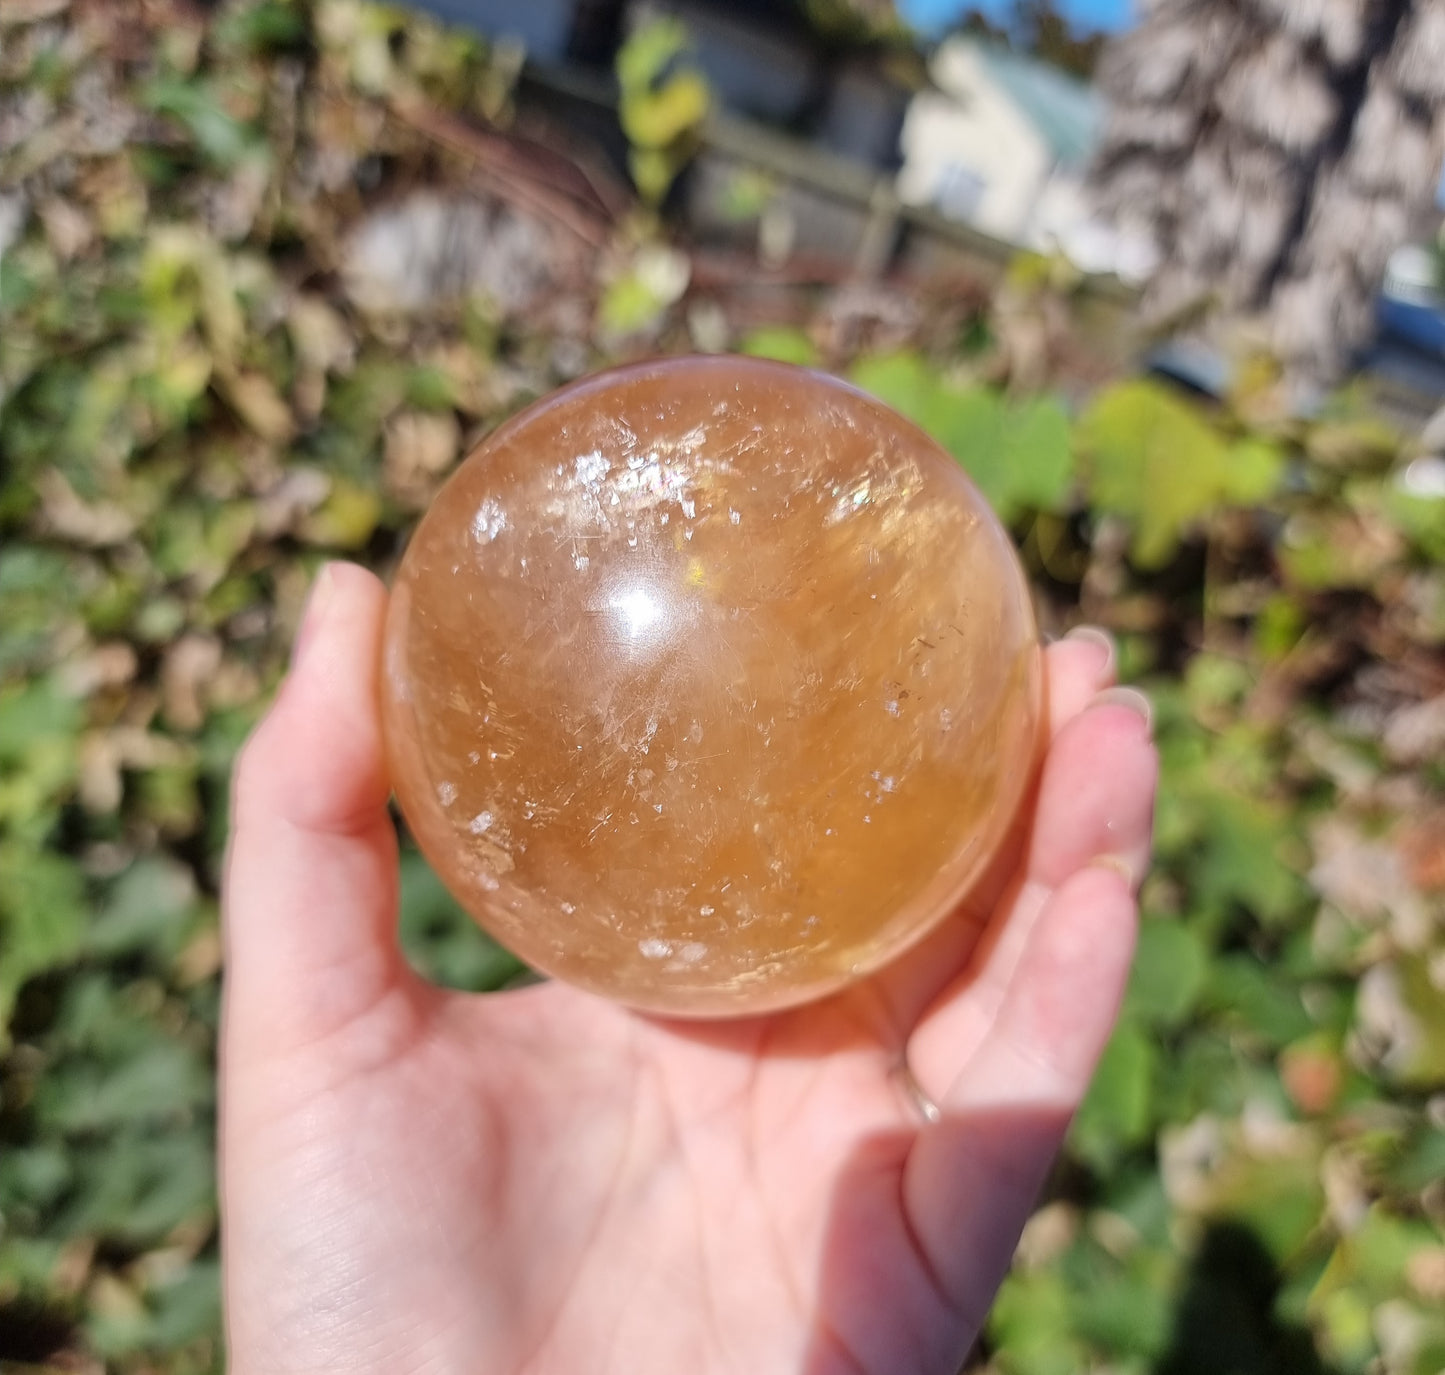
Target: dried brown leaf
x,y
104,666
73,1265
1415,734
320,335
98,524
187,671
256,401
1425,1273
1421,844
200,959
99,783
282,508
68,229
420,447
18,12
112,1298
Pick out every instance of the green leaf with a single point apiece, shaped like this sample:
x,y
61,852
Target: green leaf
x,y
1031,1325
347,519
1261,1000
186,1308
31,578
150,907
1256,469
628,305
1352,440
1420,1161
1230,845
652,171
430,389
199,109
659,118
28,1264
135,1185
781,343
903,380
635,300
1279,1199
442,941
1171,964
31,715
1279,627
1018,454
33,1176
1241,859
1371,1259
648,51
1419,1060
1125,1312
1116,1112
42,919
1215,681
159,1079
1420,518
167,797
662,104
1330,548
272,26
1155,460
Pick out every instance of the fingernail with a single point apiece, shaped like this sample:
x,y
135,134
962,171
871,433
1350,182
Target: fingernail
x,y
1115,864
317,601
1126,697
1092,634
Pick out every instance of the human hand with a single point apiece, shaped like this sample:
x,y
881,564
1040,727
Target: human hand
x,y
415,1180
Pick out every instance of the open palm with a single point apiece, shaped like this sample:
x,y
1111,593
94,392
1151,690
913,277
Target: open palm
x,y
538,1181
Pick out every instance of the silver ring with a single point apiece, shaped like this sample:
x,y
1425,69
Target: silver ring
x,y
927,1109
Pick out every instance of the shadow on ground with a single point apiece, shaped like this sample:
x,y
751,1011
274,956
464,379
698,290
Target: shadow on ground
x,y
880,1311
1225,1321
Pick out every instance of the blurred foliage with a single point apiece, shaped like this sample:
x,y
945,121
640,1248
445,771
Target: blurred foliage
x,y
662,103
203,394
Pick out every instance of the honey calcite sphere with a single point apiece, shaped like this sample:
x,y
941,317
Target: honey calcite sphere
x,y
709,685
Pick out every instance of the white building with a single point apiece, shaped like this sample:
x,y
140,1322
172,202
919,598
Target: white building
x,y
1003,141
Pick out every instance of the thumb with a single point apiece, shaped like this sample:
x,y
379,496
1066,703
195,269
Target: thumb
x,y
310,894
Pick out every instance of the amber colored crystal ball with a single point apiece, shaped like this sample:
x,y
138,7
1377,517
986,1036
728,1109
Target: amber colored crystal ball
x,y
710,685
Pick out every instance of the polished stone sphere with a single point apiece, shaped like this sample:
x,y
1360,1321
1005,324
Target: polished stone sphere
x,y
710,685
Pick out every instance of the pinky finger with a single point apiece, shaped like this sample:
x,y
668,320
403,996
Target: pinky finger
x,y
974,1177
1061,1003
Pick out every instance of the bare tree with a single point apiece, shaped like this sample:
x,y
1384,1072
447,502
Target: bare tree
x,y
1277,151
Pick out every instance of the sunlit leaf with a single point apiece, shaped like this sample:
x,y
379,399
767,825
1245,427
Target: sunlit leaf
x,y
1019,453
1116,1112
148,908
904,380
1153,458
221,137
648,51
441,940
781,343
657,118
1171,965
42,919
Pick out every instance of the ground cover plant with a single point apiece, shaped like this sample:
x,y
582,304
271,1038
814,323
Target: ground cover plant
x,y
213,378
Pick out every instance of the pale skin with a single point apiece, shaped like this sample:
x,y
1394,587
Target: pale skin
x,y
415,1180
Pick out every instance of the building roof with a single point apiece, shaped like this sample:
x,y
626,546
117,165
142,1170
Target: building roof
x,y
1068,113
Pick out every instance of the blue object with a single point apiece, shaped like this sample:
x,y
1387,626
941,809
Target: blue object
x,y
1190,363
1420,324
542,27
